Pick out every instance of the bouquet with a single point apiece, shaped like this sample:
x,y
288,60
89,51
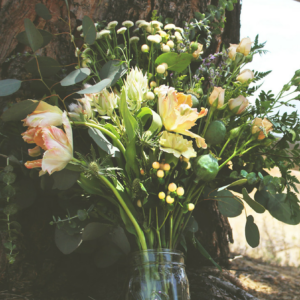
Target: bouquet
x,y
148,124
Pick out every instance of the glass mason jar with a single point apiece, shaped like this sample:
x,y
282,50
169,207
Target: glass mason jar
x,y
158,274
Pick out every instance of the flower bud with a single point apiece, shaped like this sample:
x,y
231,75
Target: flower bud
x,y
245,75
121,30
240,104
166,167
128,24
155,165
160,174
161,195
169,199
234,133
150,96
152,84
156,90
191,206
145,48
216,98
244,46
172,187
165,48
232,51
170,44
180,191
139,203
160,69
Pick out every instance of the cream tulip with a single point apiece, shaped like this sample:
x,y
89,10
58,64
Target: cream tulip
x,y
245,75
217,95
244,46
241,102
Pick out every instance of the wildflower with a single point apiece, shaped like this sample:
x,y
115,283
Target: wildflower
x,y
154,38
102,34
169,26
170,44
179,29
150,96
198,52
178,36
112,25
79,28
169,199
137,23
128,24
244,46
166,167
121,30
152,84
165,48
161,195
232,51
177,145
145,48
177,113
134,39
144,25
191,206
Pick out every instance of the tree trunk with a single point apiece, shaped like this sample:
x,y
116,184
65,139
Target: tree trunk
x,y
43,266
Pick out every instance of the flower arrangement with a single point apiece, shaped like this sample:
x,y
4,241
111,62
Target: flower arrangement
x,y
149,125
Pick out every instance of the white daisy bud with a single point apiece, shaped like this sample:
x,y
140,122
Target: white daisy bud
x,y
128,24
150,96
121,30
165,48
160,69
169,27
170,44
112,25
134,39
145,48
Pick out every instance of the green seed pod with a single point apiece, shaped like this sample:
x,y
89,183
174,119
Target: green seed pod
x,y
206,167
215,133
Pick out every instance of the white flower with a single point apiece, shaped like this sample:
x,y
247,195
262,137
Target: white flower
x,y
128,23
112,25
156,24
134,39
178,36
165,48
150,96
137,23
144,25
105,102
136,87
160,69
154,38
179,29
170,44
162,33
151,29
169,27
102,34
145,48
121,30
79,28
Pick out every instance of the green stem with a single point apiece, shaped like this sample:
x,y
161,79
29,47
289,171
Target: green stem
x,y
104,130
171,231
164,221
208,120
227,160
224,147
128,212
157,229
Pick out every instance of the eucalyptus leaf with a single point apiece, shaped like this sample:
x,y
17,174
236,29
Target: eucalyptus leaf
x,y
89,30
34,37
192,225
107,255
114,70
229,205
253,204
252,232
103,143
64,179
48,66
119,238
76,76
42,11
9,86
66,243
95,230
176,62
96,88
19,111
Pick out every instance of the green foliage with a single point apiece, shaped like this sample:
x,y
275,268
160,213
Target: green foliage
x,y
9,86
76,76
89,30
252,232
98,87
46,36
42,11
114,70
174,61
34,37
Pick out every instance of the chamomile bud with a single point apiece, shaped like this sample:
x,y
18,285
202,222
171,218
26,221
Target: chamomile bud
x,y
170,44
165,65
161,195
160,69
145,48
121,30
137,23
166,167
180,191
128,24
152,84
169,26
172,187
169,199
178,36
156,90
191,206
139,203
134,39
165,49
112,25
160,174
156,165
150,96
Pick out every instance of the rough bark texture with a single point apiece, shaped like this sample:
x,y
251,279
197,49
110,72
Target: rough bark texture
x,y
41,265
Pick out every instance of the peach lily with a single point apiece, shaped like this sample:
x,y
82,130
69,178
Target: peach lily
x,y
177,113
44,115
57,143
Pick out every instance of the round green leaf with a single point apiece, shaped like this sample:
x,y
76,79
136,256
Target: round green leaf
x,y
114,70
192,225
76,76
48,66
119,238
89,30
229,205
9,86
42,11
174,61
34,37
67,243
107,255
252,232
96,88
9,178
10,209
47,37
94,230
82,214
64,179
8,192
20,110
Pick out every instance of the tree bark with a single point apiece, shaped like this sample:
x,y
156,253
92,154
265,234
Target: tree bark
x,y
215,231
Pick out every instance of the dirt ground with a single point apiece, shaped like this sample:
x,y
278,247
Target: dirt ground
x,y
266,281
